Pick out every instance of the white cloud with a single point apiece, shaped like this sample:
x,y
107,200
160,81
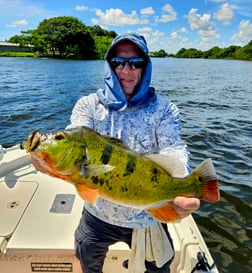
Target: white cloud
x,y
244,34
153,38
18,23
225,14
147,33
147,11
174,35
183,30
158,34
203,24
144,30
169,14
116,17
81,8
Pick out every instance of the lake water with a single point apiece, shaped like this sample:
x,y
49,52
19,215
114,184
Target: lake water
x,y
215,101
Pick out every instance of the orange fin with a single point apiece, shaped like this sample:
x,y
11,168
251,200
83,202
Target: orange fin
x,y
209,182
88,194
211,191
165,213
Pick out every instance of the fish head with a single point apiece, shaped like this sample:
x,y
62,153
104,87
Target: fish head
x,y
59,154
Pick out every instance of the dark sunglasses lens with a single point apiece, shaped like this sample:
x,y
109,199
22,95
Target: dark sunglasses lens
x,y
117,62
134,62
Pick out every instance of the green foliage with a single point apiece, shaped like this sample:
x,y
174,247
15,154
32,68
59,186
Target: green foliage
x,y
189,53
244,52
212,53
17,54
67,36
102,44
228,52
160,53
98,31
231,52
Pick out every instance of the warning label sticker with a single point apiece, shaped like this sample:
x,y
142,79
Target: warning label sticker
x,y
52,267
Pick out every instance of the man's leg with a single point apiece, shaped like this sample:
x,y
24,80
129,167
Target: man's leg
x,y
93,238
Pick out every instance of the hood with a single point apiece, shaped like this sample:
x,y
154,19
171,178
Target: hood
x,y
113,95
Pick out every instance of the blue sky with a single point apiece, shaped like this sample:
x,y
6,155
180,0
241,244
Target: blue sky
x,y
166,24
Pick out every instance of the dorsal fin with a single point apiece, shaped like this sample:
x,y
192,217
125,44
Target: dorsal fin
x,y
172,165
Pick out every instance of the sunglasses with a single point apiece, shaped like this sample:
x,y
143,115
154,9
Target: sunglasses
x,y
134,62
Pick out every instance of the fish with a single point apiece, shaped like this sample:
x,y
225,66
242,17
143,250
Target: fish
x,y
103,166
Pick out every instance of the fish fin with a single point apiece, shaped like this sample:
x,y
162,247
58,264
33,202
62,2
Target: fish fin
x,y
88,194
211,191
165,213
95,169
209,182
172,165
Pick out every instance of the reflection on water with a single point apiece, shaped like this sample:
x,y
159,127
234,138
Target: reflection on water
x,y
214,98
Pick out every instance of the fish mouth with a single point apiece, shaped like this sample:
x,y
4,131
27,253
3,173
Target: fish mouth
x,y
32,143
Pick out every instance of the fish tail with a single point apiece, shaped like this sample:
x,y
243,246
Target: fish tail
x,y
208,181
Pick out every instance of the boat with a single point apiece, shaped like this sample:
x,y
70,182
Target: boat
x,y
38,217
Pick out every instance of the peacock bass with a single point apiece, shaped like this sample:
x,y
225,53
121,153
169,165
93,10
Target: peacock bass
x,y
103,166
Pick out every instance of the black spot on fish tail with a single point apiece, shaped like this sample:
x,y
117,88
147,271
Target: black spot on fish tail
x,y
106,154
130,167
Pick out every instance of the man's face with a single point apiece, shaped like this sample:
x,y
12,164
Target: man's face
x,y
129,78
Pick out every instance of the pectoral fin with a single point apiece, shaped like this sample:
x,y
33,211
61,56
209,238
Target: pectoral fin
x,y
165,213
88,194
95,169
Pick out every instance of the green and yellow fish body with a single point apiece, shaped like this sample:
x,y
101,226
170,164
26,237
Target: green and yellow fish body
x,y
102,166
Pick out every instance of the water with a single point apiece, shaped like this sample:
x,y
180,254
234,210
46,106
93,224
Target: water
x,y
215,101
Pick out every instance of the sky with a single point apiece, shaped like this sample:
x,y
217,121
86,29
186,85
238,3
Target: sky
x,y
166,24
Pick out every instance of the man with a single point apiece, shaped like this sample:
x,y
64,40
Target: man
x,y
128,109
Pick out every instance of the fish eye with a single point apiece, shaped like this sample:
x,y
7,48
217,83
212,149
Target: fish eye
x,y
59,136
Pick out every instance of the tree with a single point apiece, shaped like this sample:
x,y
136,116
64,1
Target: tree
x,y
160,53
68,37
102,44
96,30
24,39
189,53
244,52
212,53
180,53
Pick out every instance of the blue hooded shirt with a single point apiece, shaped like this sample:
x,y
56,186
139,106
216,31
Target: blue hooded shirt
x,y
148,123
113,96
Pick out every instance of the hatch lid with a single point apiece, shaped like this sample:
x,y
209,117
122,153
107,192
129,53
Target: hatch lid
x,y
13,203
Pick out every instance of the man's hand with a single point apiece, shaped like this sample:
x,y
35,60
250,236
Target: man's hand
x,y
184,206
